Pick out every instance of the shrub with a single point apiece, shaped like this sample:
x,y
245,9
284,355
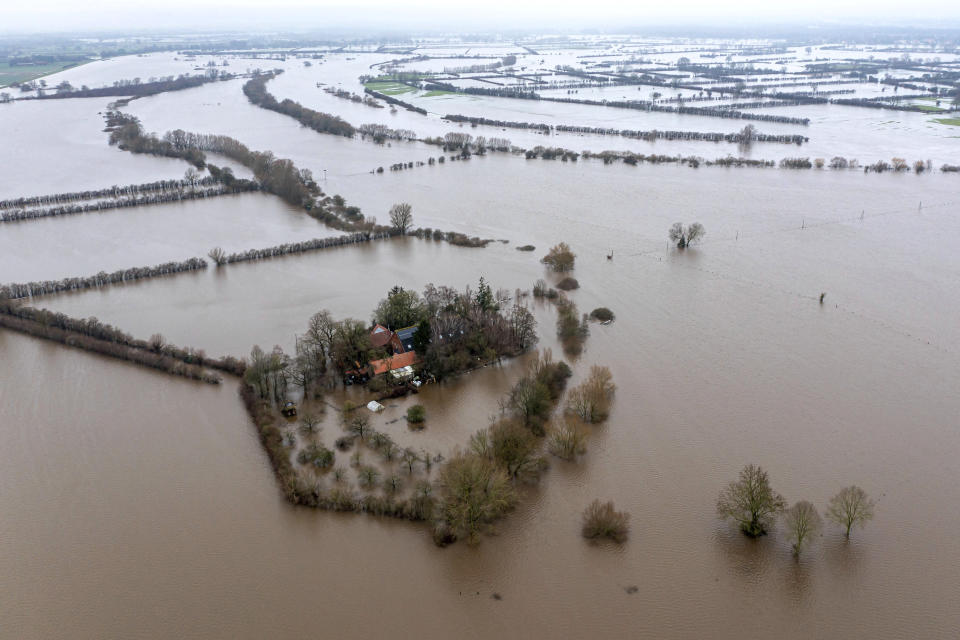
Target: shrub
x,y
560,258
316,455
590,401
568,284
602,314
567,441
527,247
602,520
416,414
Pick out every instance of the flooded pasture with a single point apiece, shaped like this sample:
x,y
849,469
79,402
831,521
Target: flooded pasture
x,y
141,505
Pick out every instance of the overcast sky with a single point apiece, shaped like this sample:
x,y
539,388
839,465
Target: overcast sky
x,y
204,15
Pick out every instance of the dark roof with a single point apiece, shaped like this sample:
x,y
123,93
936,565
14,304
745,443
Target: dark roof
x,y
406,337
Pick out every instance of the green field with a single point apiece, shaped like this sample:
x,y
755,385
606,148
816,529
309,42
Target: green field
x,y
389,88
930,108
24,73
438,92
953,122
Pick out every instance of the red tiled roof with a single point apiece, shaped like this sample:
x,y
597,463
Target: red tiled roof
x,y
380,336
396,362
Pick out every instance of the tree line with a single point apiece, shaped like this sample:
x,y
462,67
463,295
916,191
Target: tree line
x,y
395,101
135,88
94,335
256,91
16,291
315,244
152,197
654,134
108,192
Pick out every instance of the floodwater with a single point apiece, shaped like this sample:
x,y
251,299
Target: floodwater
x,y
87,243
139,505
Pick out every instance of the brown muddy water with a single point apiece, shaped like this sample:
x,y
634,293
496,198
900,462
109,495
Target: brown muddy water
x,y
137,505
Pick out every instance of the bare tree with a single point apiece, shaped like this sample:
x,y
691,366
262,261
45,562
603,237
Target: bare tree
x,y
685,236
803,522
751,502
401,217
218,255
849,508
567,440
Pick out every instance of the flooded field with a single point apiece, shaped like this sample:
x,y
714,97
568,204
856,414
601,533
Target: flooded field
x,y
142,505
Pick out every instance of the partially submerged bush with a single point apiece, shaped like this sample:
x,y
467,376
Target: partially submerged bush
x,y
527,247
474,493
560,258
567,440
568,284
416,414
602,314
602,520
317,456
590,400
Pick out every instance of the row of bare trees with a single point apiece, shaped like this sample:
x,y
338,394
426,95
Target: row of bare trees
x,y
654,134
210,190
128,191
221,258
15,291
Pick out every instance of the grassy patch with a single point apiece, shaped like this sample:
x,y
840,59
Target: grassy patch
x,y
953,122
930,108
389,88
437,92
24,73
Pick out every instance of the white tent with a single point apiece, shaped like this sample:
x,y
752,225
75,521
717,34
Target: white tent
x,y
375,406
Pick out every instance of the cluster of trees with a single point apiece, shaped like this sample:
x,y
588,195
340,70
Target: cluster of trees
x,y
459,330
256,91
467,145
476,486
381,133
127,133
752,503
278,176
453,237
551,153
353,97
46,287
572,328
208,190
